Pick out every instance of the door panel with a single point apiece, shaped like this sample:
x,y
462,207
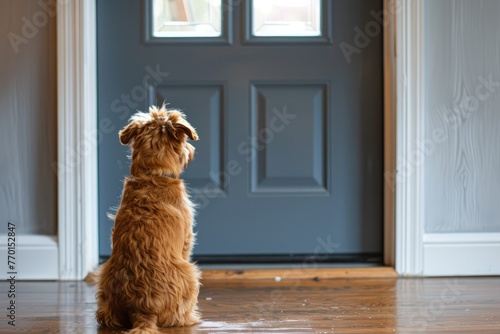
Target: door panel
x,y
290,154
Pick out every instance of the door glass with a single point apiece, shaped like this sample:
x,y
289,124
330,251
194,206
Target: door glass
x,y
286,18
187,18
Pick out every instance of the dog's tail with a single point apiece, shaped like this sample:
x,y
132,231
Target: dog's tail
x,y
144,325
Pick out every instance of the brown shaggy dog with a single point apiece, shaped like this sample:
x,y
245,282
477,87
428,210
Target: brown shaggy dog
x,y
149,281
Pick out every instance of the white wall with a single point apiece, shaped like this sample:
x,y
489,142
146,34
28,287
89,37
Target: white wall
x,y
462,169
28,146
462,138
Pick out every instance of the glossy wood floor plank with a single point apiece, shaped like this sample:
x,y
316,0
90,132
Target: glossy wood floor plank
x,y
432,305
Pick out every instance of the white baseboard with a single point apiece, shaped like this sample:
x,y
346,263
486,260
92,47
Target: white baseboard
x,y
461,254
36,257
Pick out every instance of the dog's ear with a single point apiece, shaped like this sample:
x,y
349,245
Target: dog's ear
x,y
180,125
128,134
184,127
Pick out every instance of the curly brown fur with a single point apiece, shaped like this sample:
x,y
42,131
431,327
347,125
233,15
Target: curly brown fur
x,y
149,281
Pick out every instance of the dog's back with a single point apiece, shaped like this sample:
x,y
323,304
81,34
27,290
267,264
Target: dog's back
x,y
149,273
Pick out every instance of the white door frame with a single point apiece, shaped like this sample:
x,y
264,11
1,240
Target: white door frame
x,y
404,128
405,244
78,138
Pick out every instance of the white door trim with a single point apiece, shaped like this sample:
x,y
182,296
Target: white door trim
x,y
77,138
403,128
404,117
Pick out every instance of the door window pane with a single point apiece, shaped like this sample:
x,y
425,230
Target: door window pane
x,y
286,17
187,18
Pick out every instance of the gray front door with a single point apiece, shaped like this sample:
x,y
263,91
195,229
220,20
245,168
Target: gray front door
x,y
290,121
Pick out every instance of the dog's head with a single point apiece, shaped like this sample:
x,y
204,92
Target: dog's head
x,y
159,142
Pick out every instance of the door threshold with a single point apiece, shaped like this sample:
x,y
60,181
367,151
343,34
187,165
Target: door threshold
x,y
280,273
300,266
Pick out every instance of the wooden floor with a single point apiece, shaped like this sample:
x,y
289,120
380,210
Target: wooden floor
x,y
467,305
